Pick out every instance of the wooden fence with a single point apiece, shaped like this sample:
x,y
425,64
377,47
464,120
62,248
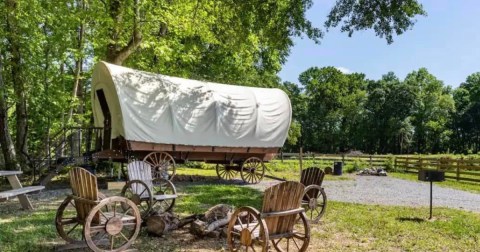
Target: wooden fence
x,y
460,169
454,168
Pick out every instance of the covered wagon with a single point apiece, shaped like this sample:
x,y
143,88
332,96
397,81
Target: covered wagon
x,y
165,120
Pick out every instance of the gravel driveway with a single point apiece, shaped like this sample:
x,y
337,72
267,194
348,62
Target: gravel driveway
x,y
377,190
393,191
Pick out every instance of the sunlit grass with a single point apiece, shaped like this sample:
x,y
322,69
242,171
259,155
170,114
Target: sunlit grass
x,y
345,226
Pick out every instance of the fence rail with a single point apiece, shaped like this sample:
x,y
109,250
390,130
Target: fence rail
x,y
460,169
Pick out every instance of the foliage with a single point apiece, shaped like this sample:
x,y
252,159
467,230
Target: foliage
x,y
50,47
386,17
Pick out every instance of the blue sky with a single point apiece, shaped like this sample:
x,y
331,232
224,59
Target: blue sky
x,y
446,42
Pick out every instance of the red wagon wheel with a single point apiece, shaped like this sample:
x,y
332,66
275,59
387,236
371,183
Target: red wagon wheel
x,y
163,165
225,171
252,170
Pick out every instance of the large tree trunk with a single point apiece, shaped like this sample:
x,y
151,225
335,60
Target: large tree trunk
x,y
13,37
115,54
8,149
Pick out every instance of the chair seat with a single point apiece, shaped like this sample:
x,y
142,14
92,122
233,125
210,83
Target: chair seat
x,y
250,227
160,197
125,218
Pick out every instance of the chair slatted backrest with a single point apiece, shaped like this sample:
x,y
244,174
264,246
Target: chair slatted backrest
x,y
282,197
84,185
139,170
312,176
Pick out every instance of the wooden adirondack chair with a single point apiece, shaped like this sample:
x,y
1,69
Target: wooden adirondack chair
x,y
278,222
151,195
314,200
109,224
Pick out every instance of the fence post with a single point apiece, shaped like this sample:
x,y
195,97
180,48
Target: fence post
x,y
407,163
459,161
281,156
395,164
301,157
371,166
420,163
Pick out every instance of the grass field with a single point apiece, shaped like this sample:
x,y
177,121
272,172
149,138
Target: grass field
x,y
345,226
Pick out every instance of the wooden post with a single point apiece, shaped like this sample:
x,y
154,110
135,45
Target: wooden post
x,y
24,201
459,162
420,164
405,168
301,157
371,166
281,156
395,164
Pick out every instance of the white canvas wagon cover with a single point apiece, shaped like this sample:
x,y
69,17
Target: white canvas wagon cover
x,y
155,108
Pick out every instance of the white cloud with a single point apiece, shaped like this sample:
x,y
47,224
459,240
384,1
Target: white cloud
x,y
344,70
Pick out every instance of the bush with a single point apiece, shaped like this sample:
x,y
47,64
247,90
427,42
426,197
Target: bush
x,y
197,165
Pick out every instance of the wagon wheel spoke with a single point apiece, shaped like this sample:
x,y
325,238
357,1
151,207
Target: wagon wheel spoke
x,y
72,228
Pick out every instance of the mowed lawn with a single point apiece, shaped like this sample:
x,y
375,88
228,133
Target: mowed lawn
x,y
345,227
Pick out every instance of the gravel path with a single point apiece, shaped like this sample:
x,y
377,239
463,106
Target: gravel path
x,y
393,191
376,190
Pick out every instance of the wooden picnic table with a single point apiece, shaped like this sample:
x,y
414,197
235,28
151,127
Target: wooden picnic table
x,y
17,189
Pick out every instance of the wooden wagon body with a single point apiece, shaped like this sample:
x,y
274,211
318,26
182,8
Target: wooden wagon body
x,y
144,114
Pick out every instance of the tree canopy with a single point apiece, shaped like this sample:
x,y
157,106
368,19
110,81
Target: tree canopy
x,y
48,49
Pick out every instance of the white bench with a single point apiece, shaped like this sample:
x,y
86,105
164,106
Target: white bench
x,y
5,195
18,190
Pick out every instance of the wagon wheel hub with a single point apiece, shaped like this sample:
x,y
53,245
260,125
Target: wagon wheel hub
x,y
136,199
312,203
246,237
114,226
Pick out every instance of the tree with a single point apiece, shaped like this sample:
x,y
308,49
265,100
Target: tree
x,y
386,17
433,107
334,101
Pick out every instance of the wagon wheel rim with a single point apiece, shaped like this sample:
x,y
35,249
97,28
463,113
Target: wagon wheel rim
x,y
315,202
163,165
118,227
253,170
142,203
67,223
247,231
298,240
162,187
224,172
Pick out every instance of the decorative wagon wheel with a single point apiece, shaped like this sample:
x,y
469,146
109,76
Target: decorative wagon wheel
x,y
315,202
225,172
140,194
163,165
162,187
67,223
112,225
298,240
247,231
252,170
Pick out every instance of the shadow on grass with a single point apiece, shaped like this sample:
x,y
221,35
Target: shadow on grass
x,y
28,231
410,219
198,198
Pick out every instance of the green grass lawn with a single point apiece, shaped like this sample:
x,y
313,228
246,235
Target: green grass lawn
x,y
345,226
